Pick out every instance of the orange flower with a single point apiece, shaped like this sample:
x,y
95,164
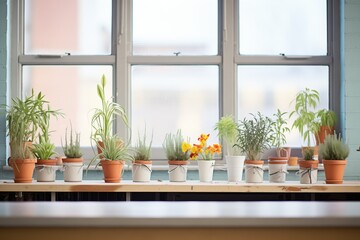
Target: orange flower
x,y
201,150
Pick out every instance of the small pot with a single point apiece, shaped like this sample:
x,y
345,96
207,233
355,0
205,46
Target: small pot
x,y
23,169
112,170
177,171
308,171
141,171
73,169
254,172
235,168
206,170
277,169
46,170
334,171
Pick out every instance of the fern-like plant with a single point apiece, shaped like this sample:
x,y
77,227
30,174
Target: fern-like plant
x,y
72,146
334,148
255,136
173,147
228,131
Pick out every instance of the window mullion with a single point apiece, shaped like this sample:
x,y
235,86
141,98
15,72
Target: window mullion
x,y
171,60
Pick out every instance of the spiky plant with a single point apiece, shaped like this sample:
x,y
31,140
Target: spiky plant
x,y
115,149
43,150
228,131
308,153
142,148
72,147
334,148
172,146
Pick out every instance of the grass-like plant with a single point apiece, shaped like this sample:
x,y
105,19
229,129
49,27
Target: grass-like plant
x,y
72,147
43,150
255,136
279,129
173,147
308,153
115,149
142,149
334,148
228,130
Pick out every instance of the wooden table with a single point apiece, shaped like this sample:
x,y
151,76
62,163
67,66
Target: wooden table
x,y
129,187
180,220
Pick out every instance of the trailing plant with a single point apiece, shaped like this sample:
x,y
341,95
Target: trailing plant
x,y
142,149
334,148
103,118
255,136
72,147
228,130
173,147
308,153
305,103
279,129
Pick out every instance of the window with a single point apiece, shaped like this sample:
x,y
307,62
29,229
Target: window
x,y
175,64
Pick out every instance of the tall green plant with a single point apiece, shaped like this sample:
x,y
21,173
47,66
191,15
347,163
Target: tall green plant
x,y
279,129
143,147
255,136
173,147
228,130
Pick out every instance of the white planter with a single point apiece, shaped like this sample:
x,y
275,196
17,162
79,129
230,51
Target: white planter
x,y
308,175
45,173
73,172
254,173
141,172
206,170
277,171
177,172
235,167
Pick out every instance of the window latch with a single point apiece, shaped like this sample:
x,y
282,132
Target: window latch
x,y
53,55
177,53
295,56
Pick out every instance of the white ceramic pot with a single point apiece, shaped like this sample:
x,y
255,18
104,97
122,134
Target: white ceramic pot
x,y
45,173
206,170
308,175
73,172
177,172
141,171
277,170
254,172
235,167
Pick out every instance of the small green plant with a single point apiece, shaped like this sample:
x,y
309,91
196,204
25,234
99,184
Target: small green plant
x,y
305,103
228,131
255,136
43,150
279,130
173,147
115,149
308,153
334,148
142,148
72,146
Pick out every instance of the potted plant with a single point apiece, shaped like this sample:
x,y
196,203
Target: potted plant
x,y
305,103
326,124
114,155
73,161
177,159
204,154
103,118
334,153
23,120
141,168
308,167
278,164
253,138
228,130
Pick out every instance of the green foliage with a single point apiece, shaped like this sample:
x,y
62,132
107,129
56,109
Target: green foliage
x,y
72,147
142,148
279,129
308,153
43,150
228,131
103,118
172,146
305,104
115,149
255,135
326,118
334,148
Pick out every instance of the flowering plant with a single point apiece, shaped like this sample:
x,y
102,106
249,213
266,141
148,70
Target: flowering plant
x,y
201,150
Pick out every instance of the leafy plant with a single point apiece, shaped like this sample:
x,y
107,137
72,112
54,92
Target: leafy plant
x,y
308,153
115,149
173,147
72,147
255,136
142,148
228,131
305,104
103,118
326,117
279,129
43,150
334,148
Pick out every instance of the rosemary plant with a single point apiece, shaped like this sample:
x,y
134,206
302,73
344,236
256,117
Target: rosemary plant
x,y
334,148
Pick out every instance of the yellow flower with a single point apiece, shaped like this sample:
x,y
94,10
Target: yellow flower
x,y
185,146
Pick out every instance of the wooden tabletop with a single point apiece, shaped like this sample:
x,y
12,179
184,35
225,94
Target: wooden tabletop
x,y
189,186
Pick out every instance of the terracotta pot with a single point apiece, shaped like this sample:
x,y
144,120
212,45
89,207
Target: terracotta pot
x,y
254,172
293,161
334,171
50,162
284,152
23,169
323,132
72,160
308,170
178,162
112,170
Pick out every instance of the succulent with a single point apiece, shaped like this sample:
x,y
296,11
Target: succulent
x,y
334,148
72,147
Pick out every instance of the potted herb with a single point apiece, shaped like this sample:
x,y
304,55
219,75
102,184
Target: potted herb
x,y
326,124
103,118
177,159
228,130
308,167
141,169
73,163
334,153
253,138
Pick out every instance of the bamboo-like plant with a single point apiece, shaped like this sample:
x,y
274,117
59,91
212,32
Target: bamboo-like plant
x,y
72,147
228,131
334,148
255,136
279,130
326,117
173,147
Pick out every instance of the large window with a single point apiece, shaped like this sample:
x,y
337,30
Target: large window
x,y
179,64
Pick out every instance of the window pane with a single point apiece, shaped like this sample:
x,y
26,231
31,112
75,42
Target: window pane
x,y
167,98
296,27
75,26
162,27
71,89
267,88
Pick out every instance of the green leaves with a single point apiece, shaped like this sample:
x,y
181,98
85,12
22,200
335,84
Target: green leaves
x,y
228,131
172,146
333,148
279,129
